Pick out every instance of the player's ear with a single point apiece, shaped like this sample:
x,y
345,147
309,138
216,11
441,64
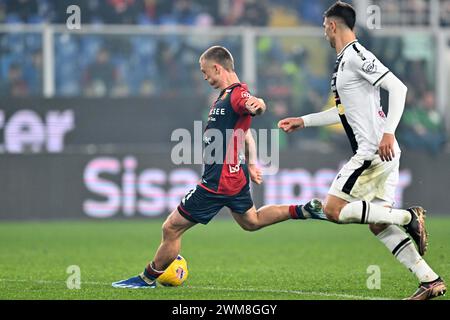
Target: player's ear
x,y
333,25
216,68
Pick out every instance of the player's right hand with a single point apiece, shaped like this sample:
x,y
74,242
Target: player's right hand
x,y
255,106
386,147
291,124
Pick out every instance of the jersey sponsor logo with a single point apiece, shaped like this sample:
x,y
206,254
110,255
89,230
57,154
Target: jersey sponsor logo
x,y
215,112
234,169
369,67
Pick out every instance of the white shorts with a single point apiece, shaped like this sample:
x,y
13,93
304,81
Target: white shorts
x,y
361,179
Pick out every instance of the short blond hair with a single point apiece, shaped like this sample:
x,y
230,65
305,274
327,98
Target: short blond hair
x,y
220,55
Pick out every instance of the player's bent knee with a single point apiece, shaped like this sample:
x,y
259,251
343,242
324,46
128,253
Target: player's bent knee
x,y
377,228
169,230
250,226
332,213
165,228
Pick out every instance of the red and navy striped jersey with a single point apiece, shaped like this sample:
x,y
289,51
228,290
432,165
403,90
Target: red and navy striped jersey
x,y
225,171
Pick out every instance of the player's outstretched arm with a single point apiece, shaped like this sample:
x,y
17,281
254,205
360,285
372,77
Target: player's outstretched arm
x,y
255,106
250,155
397,96
324,118
291,124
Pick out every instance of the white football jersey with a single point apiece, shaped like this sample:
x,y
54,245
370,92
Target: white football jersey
x,y
355,83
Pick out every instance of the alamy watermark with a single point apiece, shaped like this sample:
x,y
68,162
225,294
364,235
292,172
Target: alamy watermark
x,y
74,279
73,21
373,17
212,147
373,282
373,20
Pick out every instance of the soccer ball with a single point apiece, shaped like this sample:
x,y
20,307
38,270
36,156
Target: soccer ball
x,y
175,274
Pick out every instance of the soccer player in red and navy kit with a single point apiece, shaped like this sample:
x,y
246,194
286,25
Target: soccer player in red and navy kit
x,y
224,183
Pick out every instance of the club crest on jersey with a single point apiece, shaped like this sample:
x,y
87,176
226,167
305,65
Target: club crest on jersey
x,y
369,67
342,65
225,95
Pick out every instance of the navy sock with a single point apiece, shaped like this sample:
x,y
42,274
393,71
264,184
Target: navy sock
x,y
310,210
151,273
296,212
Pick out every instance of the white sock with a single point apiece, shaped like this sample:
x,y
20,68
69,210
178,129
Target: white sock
x,y
401,246
365,212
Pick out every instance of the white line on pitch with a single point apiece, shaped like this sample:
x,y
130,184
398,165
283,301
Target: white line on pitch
x,y
296,292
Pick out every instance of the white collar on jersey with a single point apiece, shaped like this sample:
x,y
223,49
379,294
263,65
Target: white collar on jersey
x,y
348,45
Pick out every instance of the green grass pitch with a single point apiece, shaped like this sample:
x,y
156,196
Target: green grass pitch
x,y
290,260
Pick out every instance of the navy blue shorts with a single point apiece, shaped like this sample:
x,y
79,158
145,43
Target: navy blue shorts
x,y
200,205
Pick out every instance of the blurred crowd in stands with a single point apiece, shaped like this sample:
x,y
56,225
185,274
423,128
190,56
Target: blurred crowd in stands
x,y
291,74
164,12
295,88
209,12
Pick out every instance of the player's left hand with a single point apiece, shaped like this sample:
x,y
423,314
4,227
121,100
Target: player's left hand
x,y
386,148
255,173
255,106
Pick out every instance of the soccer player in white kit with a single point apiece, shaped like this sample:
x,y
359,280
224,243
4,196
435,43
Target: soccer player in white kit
x,y
363,191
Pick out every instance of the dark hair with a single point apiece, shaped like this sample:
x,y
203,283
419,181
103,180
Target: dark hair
x,y
221,55
343,11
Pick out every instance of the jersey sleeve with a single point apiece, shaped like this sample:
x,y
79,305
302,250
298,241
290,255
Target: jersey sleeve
x,y
239,97
367,66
